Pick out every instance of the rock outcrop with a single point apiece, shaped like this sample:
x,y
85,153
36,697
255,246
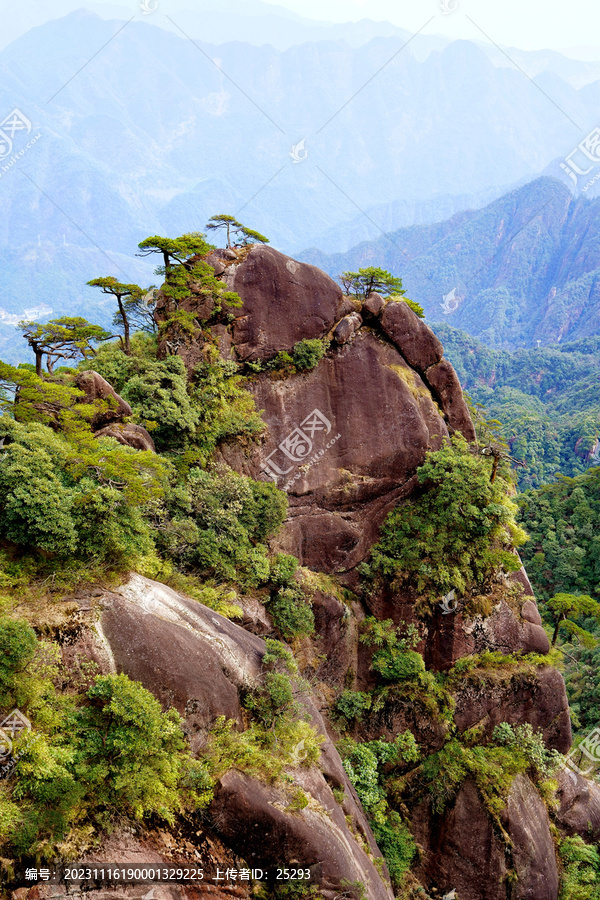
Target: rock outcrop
x,y
346,438
112,409
200,663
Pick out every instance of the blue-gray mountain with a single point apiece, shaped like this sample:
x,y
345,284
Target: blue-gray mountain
x,y
525,269
155,133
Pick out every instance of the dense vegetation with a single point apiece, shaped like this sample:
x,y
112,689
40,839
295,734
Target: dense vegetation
x,y
546,399
77,508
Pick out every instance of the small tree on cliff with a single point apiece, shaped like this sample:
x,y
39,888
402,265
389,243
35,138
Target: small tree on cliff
x,y
225,223
565,608
175,251
188,277
373,279
122,293
231,226
140,310
64,338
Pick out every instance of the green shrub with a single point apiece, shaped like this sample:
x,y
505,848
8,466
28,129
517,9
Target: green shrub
x,y
262,752
291,611
274,700
397,845
308,353
232,514
160,401
456,533
523,739
18,645
364,764
351,705
580,878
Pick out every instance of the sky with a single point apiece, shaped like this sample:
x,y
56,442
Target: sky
x,y
528,24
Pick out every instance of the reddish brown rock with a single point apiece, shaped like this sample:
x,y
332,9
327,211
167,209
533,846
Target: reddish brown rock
x,y
375,422
346,328
253,823
130,435
284,302
452,635
198,662
374,304
446,387
464,854
533,854
220,260
531,613
113,408
579,811
537,696
336,634
414,339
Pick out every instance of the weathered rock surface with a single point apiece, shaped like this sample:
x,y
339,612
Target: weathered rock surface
x,y
375,422
198,662
579,811
443,381
130,435
284,302
414,339
381,413
536,696
533,857
452,636
97,388
464,853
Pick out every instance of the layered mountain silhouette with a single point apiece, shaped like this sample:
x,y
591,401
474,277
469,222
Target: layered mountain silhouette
x,y
525,269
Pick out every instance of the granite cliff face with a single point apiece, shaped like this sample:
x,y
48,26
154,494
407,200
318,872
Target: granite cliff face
x,y
345,439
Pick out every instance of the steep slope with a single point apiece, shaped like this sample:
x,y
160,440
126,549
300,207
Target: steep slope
x,y
522,270
153,134
423,728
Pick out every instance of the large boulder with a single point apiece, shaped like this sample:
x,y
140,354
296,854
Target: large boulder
x,y
534,694
200,663
129,435
112,409
579,810
464,852
285,301
345,440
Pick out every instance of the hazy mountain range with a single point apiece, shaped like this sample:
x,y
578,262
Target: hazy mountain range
x,y
139,130
525,269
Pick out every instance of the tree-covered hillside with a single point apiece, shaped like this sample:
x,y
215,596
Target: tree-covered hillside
x,y
524,268
547,400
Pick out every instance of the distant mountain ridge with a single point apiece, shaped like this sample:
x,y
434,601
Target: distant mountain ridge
x,y
525,269
143,131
